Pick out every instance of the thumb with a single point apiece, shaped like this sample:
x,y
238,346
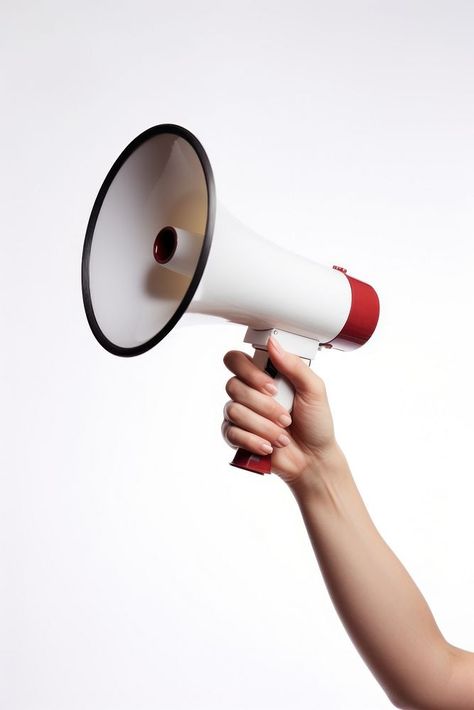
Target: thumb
x,y
303,379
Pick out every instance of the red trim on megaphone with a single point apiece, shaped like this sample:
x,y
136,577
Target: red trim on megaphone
x,y
362,319
252,462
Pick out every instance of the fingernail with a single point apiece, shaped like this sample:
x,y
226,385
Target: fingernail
x,y
276,345
284,420
283,440
266,448
270,388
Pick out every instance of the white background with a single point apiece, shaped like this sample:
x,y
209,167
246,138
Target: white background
x,y
138,570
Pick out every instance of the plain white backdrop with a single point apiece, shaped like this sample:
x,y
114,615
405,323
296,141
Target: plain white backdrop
x,y
138,570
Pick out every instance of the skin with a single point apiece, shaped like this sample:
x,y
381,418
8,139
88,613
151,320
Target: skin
x,y
379,604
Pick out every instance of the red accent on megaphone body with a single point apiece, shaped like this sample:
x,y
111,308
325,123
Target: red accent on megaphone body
x,y
362,319
252,462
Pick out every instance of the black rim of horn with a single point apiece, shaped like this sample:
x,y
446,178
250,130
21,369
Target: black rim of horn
x,y
211,211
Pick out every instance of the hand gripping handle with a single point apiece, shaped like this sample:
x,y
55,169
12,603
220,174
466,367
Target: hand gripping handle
x,y
263,463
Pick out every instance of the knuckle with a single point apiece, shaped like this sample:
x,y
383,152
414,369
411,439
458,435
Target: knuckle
x,y
229,434
232,387
231,410
320,385
229,357
316,387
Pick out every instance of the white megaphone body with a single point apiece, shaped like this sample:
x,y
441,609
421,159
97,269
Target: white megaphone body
x,y
158,246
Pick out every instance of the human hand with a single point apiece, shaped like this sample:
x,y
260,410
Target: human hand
x,y
252,416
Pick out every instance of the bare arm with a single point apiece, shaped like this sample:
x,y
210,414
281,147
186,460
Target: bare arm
x,y
380,606
382,609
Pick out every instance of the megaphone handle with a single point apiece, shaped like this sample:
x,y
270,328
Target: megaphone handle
x,y
285,396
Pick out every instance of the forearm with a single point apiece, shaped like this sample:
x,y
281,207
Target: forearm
x,y
381,607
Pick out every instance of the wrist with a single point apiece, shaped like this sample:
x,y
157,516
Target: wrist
x,y
316,480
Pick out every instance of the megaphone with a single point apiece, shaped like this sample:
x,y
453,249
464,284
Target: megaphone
x,y
158,246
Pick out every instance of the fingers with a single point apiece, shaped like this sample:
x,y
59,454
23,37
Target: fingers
x,y
254,420
303,379
259,403
246,420
238,438
241,364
